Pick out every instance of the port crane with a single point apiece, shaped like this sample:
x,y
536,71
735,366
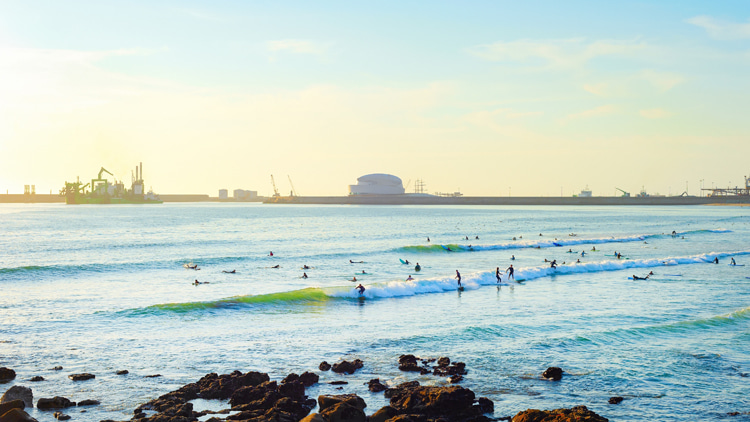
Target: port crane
x,y
294,191
624,194
275,191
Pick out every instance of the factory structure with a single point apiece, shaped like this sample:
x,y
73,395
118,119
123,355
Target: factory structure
x,y
377,184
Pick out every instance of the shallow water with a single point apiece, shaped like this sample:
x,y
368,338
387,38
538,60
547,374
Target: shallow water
x,y
102,288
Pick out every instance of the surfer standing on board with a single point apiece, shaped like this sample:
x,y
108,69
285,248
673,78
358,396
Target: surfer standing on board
x,y
497,274
510,272
361,289
458,277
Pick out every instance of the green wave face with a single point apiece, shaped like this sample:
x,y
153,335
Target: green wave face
x,y
310,295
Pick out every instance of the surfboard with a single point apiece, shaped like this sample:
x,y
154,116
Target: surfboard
x,y
402,261
446,248
736,265
461,289
556,244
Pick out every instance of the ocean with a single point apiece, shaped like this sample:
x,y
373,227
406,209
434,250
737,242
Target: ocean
x,y
99,289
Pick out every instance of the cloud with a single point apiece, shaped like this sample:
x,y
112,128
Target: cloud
x,y
569,53
721,30
594,112
296,46
663,81
655,113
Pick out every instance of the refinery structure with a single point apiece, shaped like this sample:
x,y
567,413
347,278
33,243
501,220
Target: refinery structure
x,y
102,191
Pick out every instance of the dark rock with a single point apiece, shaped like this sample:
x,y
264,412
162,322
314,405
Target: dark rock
x,y
411,418
347,367
18,392
36,378
122,372
81,377
457,368
16,415
455,379
343,412
56,402
313,418
578,413
339,382
289,378
324,366
486,405
57,368
326,401
375,386
88,402
453,403
443,362
152,376
308,379
293,389
383,414
389,392
7,374
60,416
11,404
615,400
252,393
553,373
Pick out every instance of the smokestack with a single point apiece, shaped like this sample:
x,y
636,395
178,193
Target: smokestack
x,y
141,170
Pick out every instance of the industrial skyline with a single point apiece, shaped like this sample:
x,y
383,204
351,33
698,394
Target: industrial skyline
x,y
494,98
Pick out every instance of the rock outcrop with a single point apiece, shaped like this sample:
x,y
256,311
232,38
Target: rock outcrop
x,y
19,392
575,414
16,415
553,373
56,402
7,374
346,367
81,377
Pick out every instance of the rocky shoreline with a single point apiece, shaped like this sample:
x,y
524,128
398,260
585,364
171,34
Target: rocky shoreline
x,y
254,397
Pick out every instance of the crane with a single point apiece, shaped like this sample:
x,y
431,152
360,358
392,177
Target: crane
x,y
275,191
624,194
103,170
294,191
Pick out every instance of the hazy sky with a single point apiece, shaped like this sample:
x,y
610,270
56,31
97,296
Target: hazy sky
x,y
531,97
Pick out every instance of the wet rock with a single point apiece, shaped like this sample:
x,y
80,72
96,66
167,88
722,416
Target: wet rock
x,y
18,392
60,416
81,377
308,379
347,367
289,378
456,368
56,402
383,414
444,361
152,376
553,373
326,401
409,363
343,412
253,394
7,374
486,405
122,372
324,366
389,392
293,389
313,418
338,382
615,400
455,379
56,368
88,402
450,403
36,378
16,415
375,386
578,413
11,404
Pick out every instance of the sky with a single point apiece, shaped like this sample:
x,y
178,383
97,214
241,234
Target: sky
x,y
489,98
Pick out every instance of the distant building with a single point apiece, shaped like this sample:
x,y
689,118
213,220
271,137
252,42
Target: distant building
x,y
377,184
242,194
223,194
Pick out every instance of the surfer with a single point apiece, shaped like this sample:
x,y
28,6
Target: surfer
x,y
476,237
417,267
674,233
304,275
635,277
578,261
270,254
428,239
583,253
716,260
229,272
594,249
361,289
497,274
570,250
409,278
458,277
733,263
448,249
553,264
276,266
510,272
354,279
512,258
196,282
406,262
467,238
305,267
363,272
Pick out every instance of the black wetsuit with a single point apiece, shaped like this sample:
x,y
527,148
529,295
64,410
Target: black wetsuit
x,y
510,273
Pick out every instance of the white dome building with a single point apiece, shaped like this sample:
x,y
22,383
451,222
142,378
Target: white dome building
x,y
377,184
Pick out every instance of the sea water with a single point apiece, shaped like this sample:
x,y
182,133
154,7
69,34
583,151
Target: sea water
x,y
104,288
